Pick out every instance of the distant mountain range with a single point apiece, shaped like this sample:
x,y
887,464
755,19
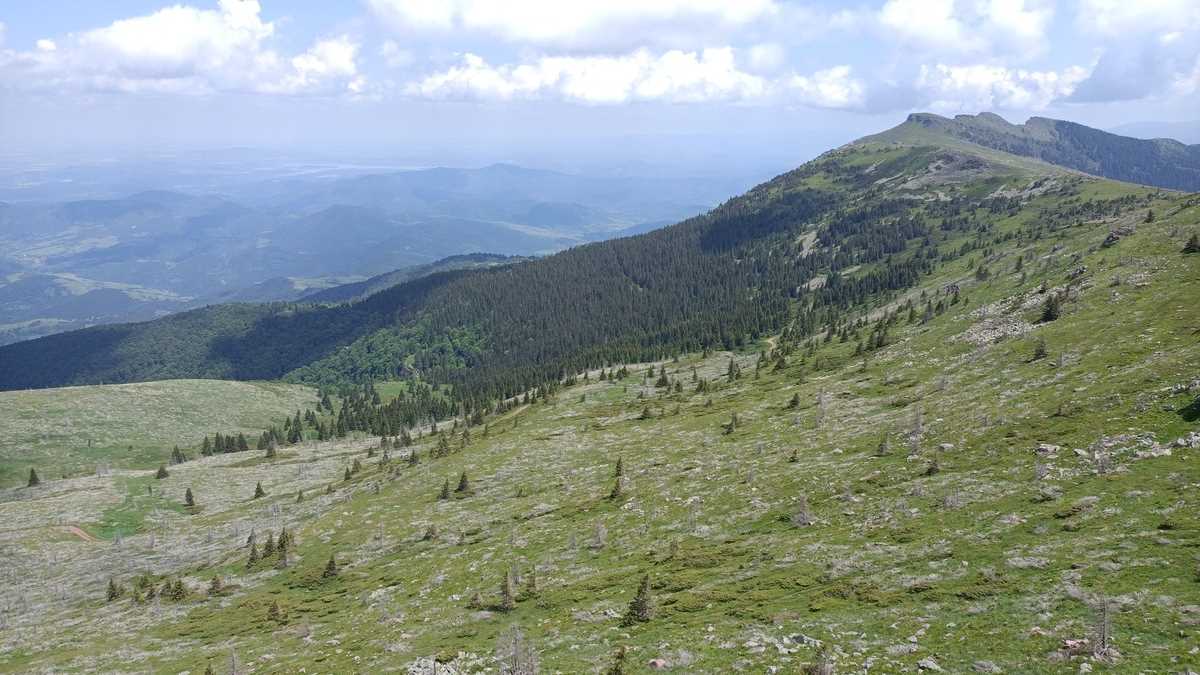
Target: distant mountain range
x,y
834,232
1158,162
67,265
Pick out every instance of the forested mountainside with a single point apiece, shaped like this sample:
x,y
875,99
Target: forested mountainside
x,y
1159,162
797,254
361,289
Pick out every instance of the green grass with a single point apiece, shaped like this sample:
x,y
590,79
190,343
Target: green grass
x,y
73,430
980,560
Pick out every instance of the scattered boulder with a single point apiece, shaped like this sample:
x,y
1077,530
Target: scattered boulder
x,y
1028,562
1192,440
928,663
1115,235
1047,449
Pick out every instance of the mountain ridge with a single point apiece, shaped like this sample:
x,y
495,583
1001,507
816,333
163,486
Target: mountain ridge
x,y
1162,163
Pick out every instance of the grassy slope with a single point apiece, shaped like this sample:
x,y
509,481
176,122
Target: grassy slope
x,y
967,564
130,426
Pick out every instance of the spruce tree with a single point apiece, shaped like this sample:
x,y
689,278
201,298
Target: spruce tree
x,y
34,481
641,607
618,664
464,485
253,559
215,586
331,568
274,613
445,493
617,488
620,469
269,545
1051,309
1193,244
259,491
508,592
162,472
114,591
188,500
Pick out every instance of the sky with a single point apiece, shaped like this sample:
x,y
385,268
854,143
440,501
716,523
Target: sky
x,y
600,79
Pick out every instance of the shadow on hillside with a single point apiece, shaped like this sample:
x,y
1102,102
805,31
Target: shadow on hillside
x,y
1192,412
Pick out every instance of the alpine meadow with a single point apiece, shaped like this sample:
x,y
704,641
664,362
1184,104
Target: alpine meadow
x,y
500,350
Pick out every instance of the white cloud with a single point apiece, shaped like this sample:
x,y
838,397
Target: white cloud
x,y
924,21
577,23
831,88
186,50
674,76
968,26
1149,48
986,87
766,57
394,55
1116,18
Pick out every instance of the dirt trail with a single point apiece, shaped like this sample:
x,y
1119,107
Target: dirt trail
x,y
80,533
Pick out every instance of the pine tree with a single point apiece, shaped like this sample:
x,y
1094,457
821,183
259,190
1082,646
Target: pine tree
x,y
271,451
476,601
531,584
215,586
620,469
331,568
269,545
641,607
188,500
618,664
1039,349
34,481
347,476
274,613
618,488
1193,244
253,559
114,591
508,592
464,485
413,459
162,472
259,491
445,493
1051,309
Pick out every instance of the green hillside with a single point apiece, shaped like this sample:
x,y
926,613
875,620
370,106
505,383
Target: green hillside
x,y
1160,162
972,449
78,429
